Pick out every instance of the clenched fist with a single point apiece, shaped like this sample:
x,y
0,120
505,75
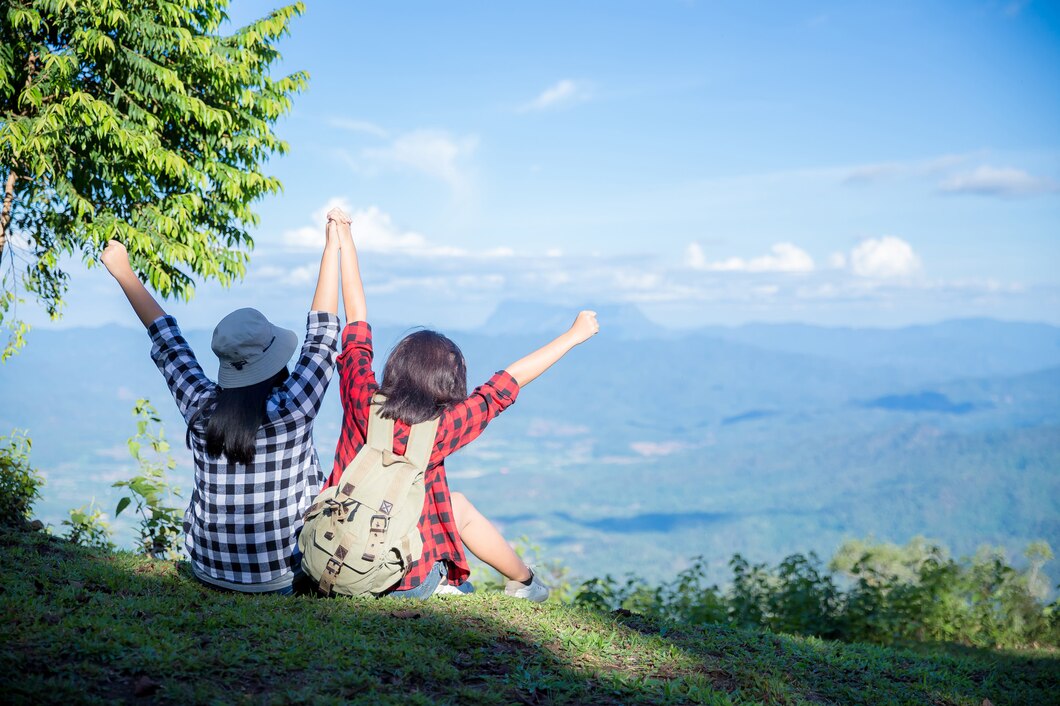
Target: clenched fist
x,y
585,326
115,258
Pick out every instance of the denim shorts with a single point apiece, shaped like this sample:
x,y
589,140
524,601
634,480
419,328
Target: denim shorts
x,y
426,589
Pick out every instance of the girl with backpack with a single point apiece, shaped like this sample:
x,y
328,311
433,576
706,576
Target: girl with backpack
x,y
250,433
425,378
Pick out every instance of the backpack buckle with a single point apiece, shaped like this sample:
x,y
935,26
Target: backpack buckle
x,y
333,566
377,526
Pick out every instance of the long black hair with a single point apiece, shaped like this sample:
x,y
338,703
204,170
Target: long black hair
x,y
237,415
424,374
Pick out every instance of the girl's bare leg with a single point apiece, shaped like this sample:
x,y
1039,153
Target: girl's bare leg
x,y
484,541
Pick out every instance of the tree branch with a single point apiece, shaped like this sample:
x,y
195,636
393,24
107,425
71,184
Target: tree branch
x,y
12,176
5,214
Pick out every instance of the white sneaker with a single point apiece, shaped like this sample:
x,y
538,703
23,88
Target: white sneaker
x,y
447,589
536,591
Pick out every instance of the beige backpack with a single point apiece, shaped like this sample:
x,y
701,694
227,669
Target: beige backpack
x,y
361,535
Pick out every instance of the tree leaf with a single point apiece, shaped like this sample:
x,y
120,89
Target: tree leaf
x,y
122,504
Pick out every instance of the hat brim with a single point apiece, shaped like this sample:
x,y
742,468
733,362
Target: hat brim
x,y
274,359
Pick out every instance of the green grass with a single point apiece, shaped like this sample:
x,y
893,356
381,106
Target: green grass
x,y
83,626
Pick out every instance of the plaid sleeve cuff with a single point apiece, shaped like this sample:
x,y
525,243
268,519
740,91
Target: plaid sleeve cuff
x,y
506,386
357,334
163,329
325,326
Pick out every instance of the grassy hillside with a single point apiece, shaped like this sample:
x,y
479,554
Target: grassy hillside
x,y
83,626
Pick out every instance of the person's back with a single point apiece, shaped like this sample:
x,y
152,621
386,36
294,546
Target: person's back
x,y
256,469
250,433
425,378
413,394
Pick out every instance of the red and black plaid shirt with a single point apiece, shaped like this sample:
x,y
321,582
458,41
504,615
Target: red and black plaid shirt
x,y
459,425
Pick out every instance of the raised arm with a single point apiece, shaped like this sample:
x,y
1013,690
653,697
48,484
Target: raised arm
x,y
326,297
352,288
116,259
527,369
169,349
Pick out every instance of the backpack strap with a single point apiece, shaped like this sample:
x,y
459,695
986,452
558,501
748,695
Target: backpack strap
x,y
380,431
334,565
421,443
421,436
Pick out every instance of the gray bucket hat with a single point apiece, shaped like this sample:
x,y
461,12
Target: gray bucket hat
x,y
251,348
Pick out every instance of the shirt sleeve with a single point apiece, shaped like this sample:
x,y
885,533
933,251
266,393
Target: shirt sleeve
x,y
357,381
309,380
462,423
176,360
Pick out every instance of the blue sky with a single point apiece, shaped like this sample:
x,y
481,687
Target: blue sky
x,y
844,163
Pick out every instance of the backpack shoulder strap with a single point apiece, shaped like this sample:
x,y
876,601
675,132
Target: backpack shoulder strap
x,y
380,431
421,443
421,436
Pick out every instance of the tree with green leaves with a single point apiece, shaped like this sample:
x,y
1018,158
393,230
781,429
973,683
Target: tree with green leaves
x,y
136,120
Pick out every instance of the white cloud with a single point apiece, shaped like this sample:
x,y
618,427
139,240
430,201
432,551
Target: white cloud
x,y
782,257
998,181
311,237
636,281
562,93
650,449
409,271
880,171
548,428
695,257
362,126
446,285
432,152
374,231
884,258
292,276
837,261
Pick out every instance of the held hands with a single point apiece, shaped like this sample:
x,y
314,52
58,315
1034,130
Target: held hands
x,y
115,258
338,228
584,327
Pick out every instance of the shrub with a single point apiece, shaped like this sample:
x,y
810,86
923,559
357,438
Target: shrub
x,y
89,527
161,525
19,482
914,593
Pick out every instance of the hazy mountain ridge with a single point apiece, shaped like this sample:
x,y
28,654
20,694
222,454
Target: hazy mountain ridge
x,y
717,443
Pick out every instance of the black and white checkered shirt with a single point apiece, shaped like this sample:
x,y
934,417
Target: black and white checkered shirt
x,y
241,523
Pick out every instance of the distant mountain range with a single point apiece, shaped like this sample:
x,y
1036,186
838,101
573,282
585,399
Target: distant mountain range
x,y
959,347
648,446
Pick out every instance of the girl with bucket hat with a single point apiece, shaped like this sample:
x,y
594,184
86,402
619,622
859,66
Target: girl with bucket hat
x,y
250,433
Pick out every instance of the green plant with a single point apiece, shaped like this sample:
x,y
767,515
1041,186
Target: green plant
x,y
161,525
894,594
19,482
89,527
805,600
